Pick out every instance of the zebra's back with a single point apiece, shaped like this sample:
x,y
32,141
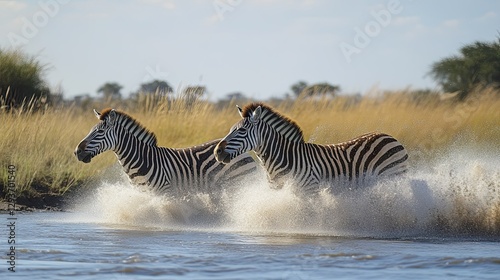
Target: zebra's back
x,y
371,155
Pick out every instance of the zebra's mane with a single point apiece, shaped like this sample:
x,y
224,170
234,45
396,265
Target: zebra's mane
x,y
132,126
283,125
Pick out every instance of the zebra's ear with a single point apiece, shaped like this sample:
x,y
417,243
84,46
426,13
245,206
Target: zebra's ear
x,y
256,114
97,114
111,116
240,111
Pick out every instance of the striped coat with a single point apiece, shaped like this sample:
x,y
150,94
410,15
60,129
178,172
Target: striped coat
x,y
166,170
279,144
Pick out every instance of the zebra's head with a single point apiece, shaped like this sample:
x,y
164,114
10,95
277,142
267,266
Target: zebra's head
x,y
102,137
243,137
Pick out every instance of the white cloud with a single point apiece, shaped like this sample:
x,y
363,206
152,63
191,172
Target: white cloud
x,y
412,26
310,25
417,31
213,19
98,15
451,23
167,4
12,5
409,20
308,3
269,3
9,13
488,15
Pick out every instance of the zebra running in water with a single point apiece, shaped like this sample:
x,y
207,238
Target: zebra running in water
x,y
176,171
279,144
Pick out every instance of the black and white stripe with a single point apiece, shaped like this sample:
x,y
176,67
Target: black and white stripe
x,y
177,171
279,144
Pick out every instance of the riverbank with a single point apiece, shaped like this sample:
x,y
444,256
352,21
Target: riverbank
x,y
46,202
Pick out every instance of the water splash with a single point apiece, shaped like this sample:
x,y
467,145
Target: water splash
x,y
121,204
458,195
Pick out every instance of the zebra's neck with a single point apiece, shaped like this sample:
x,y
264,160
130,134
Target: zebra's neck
x,y
275,152
283,125
280,123
130,125
135,156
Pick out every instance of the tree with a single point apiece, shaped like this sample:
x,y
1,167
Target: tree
x,y
155,86
477,64
192,93
235,96
298,87
321,89
110,90
21,79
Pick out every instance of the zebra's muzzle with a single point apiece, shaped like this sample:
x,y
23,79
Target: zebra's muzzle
x,y
220,154
85,157
81,154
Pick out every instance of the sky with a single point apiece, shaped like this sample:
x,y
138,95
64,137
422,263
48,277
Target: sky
x,y
256,47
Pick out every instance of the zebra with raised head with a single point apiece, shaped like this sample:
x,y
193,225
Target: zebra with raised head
x,y
279,144
176,171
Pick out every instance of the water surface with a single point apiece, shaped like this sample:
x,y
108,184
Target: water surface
x,y
441,221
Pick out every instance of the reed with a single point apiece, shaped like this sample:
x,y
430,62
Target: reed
x,y
40,143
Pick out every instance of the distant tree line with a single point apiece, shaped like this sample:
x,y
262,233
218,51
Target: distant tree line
x,y
301,88
21,79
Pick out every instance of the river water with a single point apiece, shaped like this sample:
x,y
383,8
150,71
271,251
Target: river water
x,y
441,221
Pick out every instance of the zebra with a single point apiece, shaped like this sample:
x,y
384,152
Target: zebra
x,y
162,169
279,144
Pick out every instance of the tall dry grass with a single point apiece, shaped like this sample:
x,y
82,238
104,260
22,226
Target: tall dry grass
x,y
40,143
425,125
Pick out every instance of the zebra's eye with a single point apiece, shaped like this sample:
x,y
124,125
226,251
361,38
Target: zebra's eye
x,y
100,130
